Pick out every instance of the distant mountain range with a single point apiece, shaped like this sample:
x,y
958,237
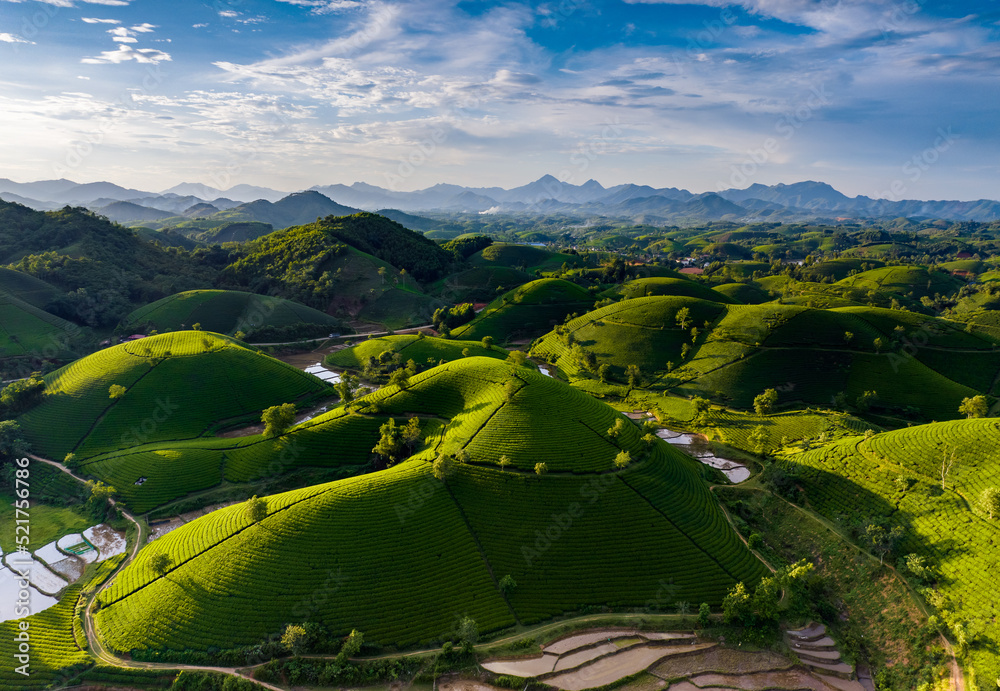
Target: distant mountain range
x,y
802,201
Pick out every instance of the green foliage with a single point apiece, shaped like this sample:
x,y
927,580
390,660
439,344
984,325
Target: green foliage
x,y
623,459
443,466
294,639
116,391
977,406
541,468
465,247
765,402
20,396
452,317
989,502
278,419
256,508
704,615
507,585
160,563
413,347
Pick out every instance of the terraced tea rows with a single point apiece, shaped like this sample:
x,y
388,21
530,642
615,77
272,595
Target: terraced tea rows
x,y
526,311
915,363
225,312
411,347
178,386
896,476
403,555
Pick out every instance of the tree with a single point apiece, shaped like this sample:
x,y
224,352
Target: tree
x,y
510,388
704,614
882,541
400,378
517,358
507,585
634,375
160,563
487,342
989,502
758,439
879,344
701,408
19,396
603,372
541,468
683,317
294,639
977,406
196,326
277,419
866,401
623,459
346,388
12,442
381,273
764,403
256,509
947,461
737,605
685,349
504,462
116,391
848,337
352,646
468,632
411,433
442,466
616,428
466,352
390,445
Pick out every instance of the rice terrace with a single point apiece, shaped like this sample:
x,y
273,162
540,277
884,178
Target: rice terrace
x,y
619,345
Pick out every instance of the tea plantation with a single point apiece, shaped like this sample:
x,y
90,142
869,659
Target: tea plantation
x,y
225,312
403,555
896,478
919,366
422,350
177,386
527,311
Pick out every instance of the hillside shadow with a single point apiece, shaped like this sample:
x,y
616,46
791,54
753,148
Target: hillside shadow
x,y
851,507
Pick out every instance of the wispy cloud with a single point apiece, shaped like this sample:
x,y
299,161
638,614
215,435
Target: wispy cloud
x,y
126,53
11,38
94,20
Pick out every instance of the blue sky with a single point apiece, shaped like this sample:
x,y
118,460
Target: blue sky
x,y
887,98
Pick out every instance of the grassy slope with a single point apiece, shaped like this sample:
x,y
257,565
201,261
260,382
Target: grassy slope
x,y
224,311
34,291
645,287
206,378
412,347
855,479
410,554
27,330
801,352
528,310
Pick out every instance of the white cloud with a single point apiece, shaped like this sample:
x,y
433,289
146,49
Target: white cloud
x,y
126,53
199,26
122,35
143,28
327,6
229,14
11,38
94,20
110,3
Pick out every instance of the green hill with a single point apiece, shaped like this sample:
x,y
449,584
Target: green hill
x,y
902,280
921,368
178,386
73,249
478,284
400,555
421,350
646,287
357,267
35,292
522,257
27,330
743,293
895,478
228,311
527,311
